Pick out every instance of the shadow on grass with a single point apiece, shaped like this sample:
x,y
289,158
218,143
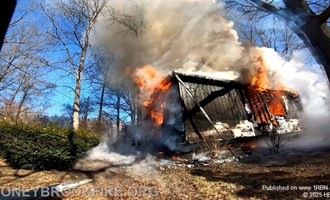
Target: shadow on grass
x,y
251,183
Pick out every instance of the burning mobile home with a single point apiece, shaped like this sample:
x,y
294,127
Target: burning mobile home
x,y
229,109
190,108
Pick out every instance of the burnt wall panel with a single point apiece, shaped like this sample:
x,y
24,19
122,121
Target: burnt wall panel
x,y
221,103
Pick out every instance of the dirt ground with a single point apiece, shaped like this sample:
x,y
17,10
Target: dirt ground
x,y
248,178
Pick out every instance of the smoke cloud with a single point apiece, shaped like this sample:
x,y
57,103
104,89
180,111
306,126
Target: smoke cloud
x,y
171,35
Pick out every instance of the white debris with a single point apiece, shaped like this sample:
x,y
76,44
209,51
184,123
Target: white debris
x,y
287,125
244,129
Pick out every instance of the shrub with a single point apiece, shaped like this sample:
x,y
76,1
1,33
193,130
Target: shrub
x,y
30,147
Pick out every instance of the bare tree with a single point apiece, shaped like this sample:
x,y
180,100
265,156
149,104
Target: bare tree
x,y
72,24
127,22
308,19
123,103
128,103
257,31
98,74
23,68
115,102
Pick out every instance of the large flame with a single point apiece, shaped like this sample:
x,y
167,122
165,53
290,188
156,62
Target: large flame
x,y
259,80
151,84
260,83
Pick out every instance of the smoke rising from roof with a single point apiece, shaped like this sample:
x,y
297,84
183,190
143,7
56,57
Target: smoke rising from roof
x,y
171,35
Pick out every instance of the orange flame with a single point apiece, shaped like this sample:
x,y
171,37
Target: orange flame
x,y
259,82
151,84
177,158
251,144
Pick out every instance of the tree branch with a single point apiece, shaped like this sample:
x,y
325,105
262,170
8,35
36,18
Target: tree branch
x,y
17,20
323,17
267,6
272,9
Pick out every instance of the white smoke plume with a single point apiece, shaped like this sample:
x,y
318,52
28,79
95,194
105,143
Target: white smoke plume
x,y
181,35
103,153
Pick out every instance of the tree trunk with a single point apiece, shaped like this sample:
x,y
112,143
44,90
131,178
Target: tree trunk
x,y
99,121
138,115
133,113
20,105
84,48
312,30
85,114
118,113
318,42
76,105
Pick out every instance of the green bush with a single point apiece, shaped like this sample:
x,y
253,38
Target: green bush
x,y
30,147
